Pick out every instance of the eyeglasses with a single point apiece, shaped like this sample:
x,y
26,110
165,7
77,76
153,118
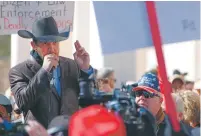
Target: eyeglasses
x,y
145,94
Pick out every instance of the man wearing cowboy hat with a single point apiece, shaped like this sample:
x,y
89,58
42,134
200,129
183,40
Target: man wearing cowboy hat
x,y
46,85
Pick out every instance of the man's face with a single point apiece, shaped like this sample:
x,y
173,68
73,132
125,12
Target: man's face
x,y
177,84
189,86
148,101
46,48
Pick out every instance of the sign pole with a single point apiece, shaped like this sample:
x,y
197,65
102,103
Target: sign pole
x,y
166,89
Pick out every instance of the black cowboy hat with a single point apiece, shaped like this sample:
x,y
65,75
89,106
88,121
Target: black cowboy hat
x,y
45,30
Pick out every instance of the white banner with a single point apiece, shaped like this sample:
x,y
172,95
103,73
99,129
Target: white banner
x,y
20,15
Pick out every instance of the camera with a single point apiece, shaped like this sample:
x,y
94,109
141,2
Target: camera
x,y
12,129
137,120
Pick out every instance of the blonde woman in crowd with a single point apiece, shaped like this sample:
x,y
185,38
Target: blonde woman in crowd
x,y
179,105
106,79
191,102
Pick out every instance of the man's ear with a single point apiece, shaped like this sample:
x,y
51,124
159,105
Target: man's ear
x,y
33,45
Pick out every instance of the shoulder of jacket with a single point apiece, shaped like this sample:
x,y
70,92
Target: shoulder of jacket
x,y
19,66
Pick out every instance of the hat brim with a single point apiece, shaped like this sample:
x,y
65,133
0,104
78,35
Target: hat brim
x,y
148,89
48,38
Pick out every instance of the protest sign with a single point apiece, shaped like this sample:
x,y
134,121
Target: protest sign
x,y
123,25
15,15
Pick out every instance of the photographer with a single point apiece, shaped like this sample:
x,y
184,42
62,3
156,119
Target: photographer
x,y
148,95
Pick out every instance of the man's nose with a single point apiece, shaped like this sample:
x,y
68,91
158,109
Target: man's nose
x,y
142,97
51,47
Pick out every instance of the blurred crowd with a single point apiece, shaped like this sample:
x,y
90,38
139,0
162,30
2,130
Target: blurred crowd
x,y
46,90
185,93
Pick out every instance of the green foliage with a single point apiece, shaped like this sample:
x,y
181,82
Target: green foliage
x,y
5,45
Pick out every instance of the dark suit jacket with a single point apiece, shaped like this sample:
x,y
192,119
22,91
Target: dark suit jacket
x,y
36,96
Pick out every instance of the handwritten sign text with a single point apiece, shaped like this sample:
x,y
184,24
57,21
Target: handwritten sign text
x,y
15,15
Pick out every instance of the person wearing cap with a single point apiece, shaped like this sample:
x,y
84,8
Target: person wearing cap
x,y
148,95
46,85
177,82
96,120
178,72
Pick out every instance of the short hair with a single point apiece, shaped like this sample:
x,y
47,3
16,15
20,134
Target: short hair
x,y
104,73
191,102
102,76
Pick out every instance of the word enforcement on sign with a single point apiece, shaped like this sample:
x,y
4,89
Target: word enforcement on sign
x,y
15,15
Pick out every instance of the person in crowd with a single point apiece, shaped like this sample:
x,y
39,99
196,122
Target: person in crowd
x,y
179,105
148,95
177,82
197,87
16,115
178,72
189,85
191,108
106,79
96,120
5,108
46,85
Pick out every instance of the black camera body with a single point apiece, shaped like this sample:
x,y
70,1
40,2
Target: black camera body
x,y
137,120
12,129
